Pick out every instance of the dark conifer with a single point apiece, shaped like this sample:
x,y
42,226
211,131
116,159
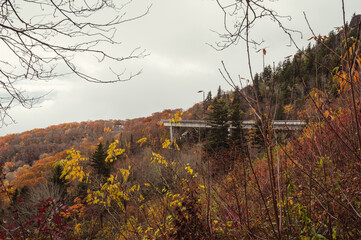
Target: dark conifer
x,y
218,118
237,138
101,167
236,119
209,97
219,92
55,178
208,100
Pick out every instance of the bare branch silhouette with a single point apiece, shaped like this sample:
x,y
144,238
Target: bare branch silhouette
x,y
43,40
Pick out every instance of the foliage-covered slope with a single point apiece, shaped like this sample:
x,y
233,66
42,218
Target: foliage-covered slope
x,y
305,188
33,149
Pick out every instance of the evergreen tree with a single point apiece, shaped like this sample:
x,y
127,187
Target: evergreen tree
x,y
257,83
209,97
55,178
97,160
257,135
208,100
237,138
236,119
218,119
267,75
219,92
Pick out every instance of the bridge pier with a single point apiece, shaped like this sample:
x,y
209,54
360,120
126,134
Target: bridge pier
x,y
174,132
171,133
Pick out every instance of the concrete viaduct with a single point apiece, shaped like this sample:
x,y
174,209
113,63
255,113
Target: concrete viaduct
x,y
283,125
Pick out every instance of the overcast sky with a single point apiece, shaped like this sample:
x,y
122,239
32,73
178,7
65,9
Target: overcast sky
x,y
181,63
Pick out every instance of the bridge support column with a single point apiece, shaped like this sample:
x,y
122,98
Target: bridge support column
x,y
171,133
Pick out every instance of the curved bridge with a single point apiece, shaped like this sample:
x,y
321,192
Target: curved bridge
x,y
283,125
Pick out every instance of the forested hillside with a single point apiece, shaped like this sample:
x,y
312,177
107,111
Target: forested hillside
x,y
23,153
125,179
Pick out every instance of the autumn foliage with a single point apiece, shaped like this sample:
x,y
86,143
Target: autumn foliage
x,y
128,180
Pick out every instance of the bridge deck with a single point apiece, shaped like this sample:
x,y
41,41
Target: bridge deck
x,y
277,124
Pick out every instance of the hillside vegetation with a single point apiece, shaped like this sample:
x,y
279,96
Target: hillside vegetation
x,y
127,180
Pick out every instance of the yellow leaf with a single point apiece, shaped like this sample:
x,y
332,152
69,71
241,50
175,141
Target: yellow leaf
x,y
288,108
142,141
166,143
125,174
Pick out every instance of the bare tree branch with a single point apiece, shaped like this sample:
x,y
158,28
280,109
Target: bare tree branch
x,y
43,40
